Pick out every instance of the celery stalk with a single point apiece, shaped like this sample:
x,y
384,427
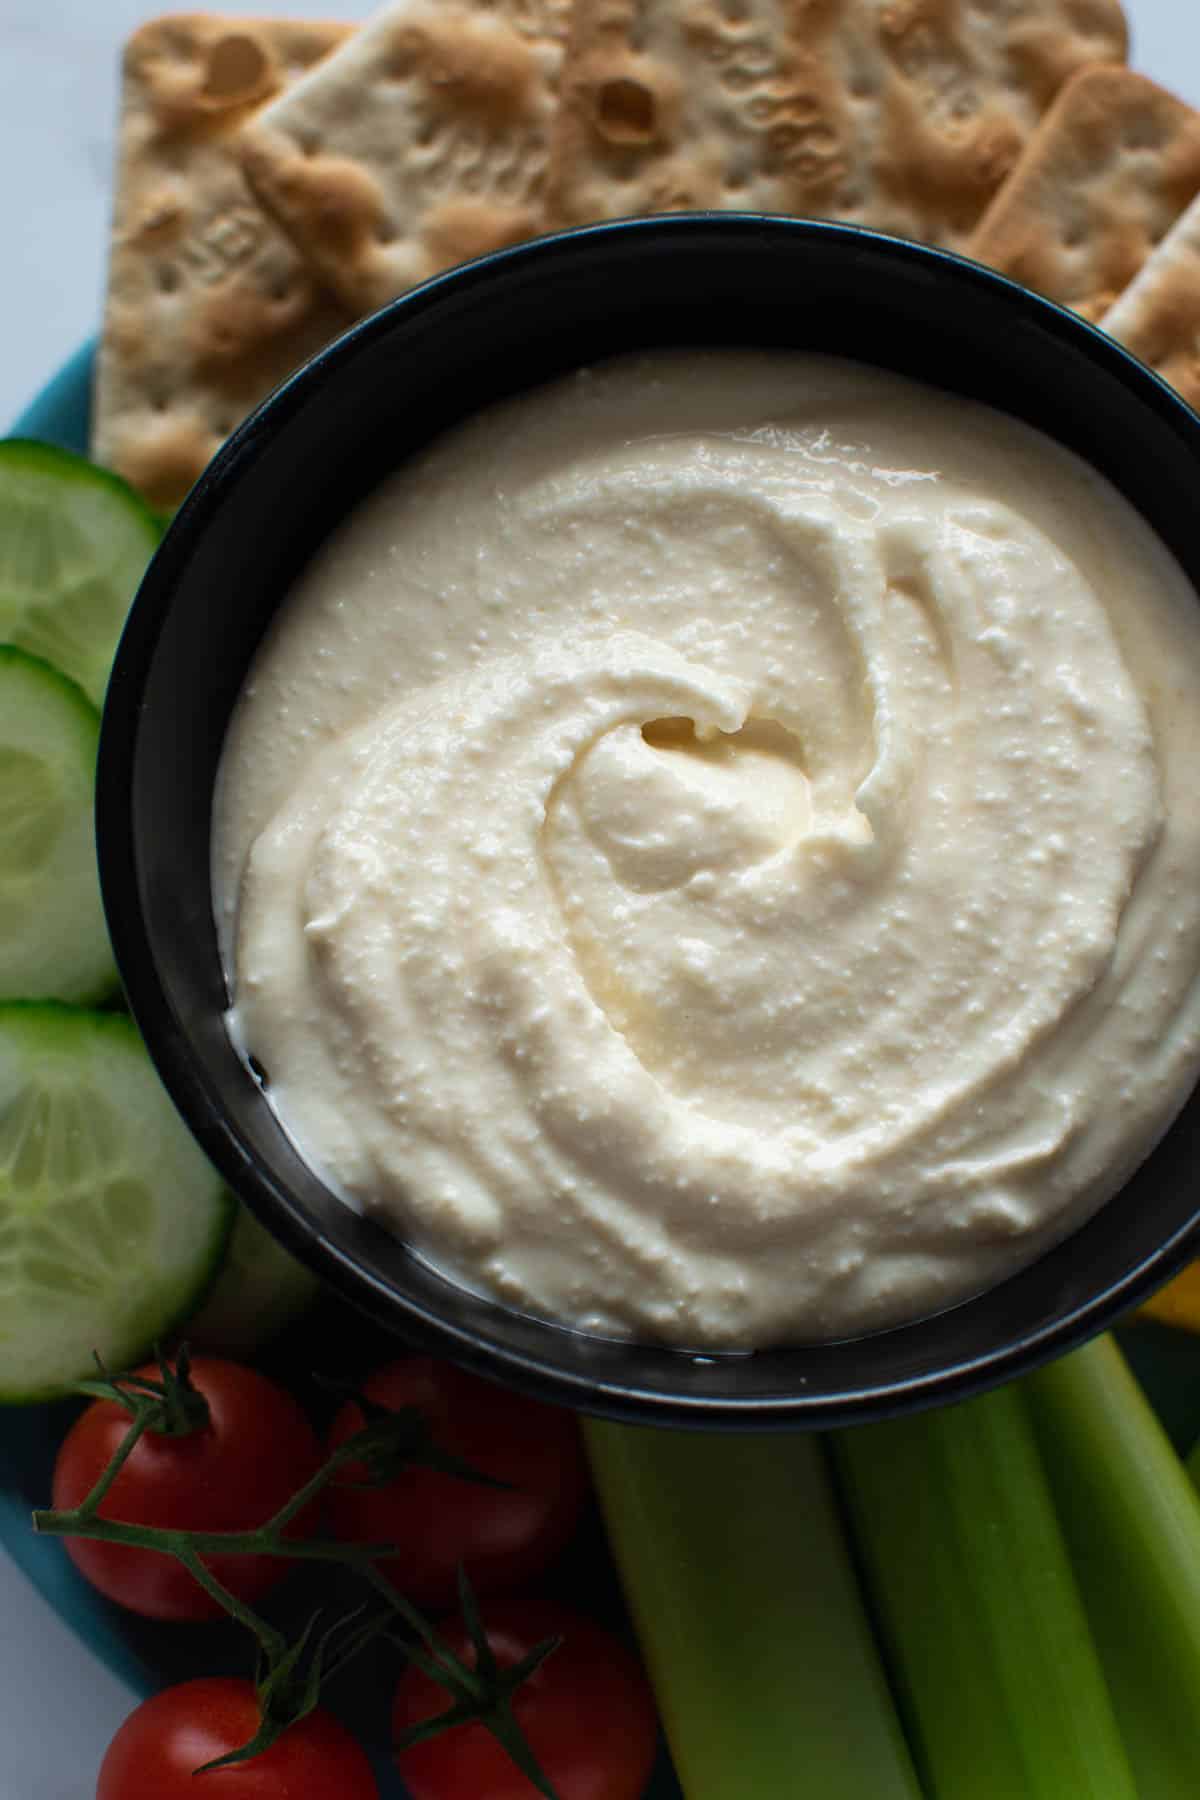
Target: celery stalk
x,y
1002,1685
751,1623
1132,1523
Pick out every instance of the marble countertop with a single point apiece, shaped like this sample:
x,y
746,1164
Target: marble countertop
x,y
58,90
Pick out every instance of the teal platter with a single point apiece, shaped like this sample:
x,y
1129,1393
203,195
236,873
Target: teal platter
x,y
332,1340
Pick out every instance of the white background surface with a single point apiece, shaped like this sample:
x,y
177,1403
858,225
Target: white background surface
x,y
58,89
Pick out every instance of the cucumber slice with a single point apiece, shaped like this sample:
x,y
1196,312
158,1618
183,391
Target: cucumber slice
x,y
53,940
112,1222
74,544
261,1288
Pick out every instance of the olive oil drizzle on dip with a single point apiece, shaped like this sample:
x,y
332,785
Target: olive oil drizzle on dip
x,y
707,852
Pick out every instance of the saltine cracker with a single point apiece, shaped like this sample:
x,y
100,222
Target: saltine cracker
x,y
422,143
208,305
1112,166
1158,315
903,115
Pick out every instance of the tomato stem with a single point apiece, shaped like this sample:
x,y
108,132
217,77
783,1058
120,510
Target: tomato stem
x,y
289,1677
273,1643
88,1506
265,1541
172,1406
408,1612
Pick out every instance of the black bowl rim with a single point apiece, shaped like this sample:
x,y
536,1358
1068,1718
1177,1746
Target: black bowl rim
x,y
201,1108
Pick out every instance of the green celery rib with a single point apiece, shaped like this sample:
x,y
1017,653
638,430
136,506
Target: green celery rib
x,y
749,1615
1001,1683
1132,1523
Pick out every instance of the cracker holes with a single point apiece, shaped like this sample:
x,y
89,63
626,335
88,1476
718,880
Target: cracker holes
x,y
167,278
234,69
625,112
1143,134
385,232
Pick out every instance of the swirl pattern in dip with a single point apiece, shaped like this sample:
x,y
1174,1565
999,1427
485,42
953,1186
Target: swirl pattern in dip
x,y
708,852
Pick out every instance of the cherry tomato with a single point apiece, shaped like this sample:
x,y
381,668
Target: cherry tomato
x,y
233,1475
587,1713
503,1536
156,1752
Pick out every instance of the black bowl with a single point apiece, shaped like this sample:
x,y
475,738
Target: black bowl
x,y
290,474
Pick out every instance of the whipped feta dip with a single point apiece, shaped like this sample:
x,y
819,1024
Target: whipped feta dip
x,y
708,851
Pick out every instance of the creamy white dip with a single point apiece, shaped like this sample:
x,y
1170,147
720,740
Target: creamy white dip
x,y
709,851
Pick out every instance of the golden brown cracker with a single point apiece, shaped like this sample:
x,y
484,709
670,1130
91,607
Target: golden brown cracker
x,y
1158,315
422,143
903,115
1112,166
208,305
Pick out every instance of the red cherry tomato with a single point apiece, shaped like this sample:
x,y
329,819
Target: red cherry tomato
x,y
157,1750
503,1536
256,1452
587,1713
